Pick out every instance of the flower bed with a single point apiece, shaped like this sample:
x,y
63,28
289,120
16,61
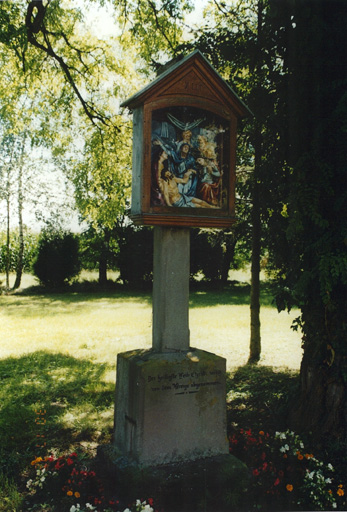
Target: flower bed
x,y
286,476
65,484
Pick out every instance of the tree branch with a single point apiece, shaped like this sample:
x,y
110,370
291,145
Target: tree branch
x,y
35,24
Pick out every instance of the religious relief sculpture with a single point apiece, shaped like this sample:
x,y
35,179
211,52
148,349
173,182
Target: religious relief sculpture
x,y
189,161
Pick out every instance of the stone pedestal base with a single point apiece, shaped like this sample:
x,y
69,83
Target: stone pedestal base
x,y
170,407
213,484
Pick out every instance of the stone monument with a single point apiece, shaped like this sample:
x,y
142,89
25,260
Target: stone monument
x,y
171,400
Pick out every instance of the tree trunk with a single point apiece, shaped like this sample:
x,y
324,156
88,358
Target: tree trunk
x,y
321,407
255,339
8,254
104,257
19,263
230,243
102,269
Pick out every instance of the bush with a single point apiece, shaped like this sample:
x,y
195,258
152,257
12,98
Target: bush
x,y
135,258
212,253
57,261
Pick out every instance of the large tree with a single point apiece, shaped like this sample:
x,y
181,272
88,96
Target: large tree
x,y
295,84
313,262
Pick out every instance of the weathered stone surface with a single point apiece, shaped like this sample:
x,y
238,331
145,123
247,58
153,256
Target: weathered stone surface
x,y
212,484
170,407
171,289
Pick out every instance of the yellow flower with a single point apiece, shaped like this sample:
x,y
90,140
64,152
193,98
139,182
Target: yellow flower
x,y
77,495
340,492
38,459
69,493
289,487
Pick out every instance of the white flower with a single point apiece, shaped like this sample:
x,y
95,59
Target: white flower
x,y
88,505
147,508
330,467
127,510
138,503
334,505
43,478
328,481
284,448
302,445
311,475
29,482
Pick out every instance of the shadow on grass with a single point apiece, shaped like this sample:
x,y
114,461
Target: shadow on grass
x,y
51,401
202,295
205,294
259,397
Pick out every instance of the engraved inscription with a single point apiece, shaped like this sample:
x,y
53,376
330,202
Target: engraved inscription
x,y
183,383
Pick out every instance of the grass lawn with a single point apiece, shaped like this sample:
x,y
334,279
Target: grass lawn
x,y
58,356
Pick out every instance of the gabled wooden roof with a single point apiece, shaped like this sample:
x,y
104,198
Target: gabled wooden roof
x,y
193,76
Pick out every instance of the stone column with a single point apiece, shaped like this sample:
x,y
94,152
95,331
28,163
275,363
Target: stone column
x,y
171,268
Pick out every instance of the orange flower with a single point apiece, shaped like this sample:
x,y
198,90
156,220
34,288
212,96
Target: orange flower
x,y
300,456
309,455
340,492
77,495
289,487
285,456
262,433
69,493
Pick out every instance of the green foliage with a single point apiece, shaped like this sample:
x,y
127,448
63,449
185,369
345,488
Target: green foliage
x,y
156,28
135,259
212,254
10,498
30,247
95,245
57,260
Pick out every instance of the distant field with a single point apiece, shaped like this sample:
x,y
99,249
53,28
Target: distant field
x,y
96,326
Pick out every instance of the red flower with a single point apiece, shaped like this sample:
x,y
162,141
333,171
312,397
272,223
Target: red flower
x,y
150,502
256,472
69,461
263,456
277,481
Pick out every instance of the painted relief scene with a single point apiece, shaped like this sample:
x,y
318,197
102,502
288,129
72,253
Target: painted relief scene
x,y
189,163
